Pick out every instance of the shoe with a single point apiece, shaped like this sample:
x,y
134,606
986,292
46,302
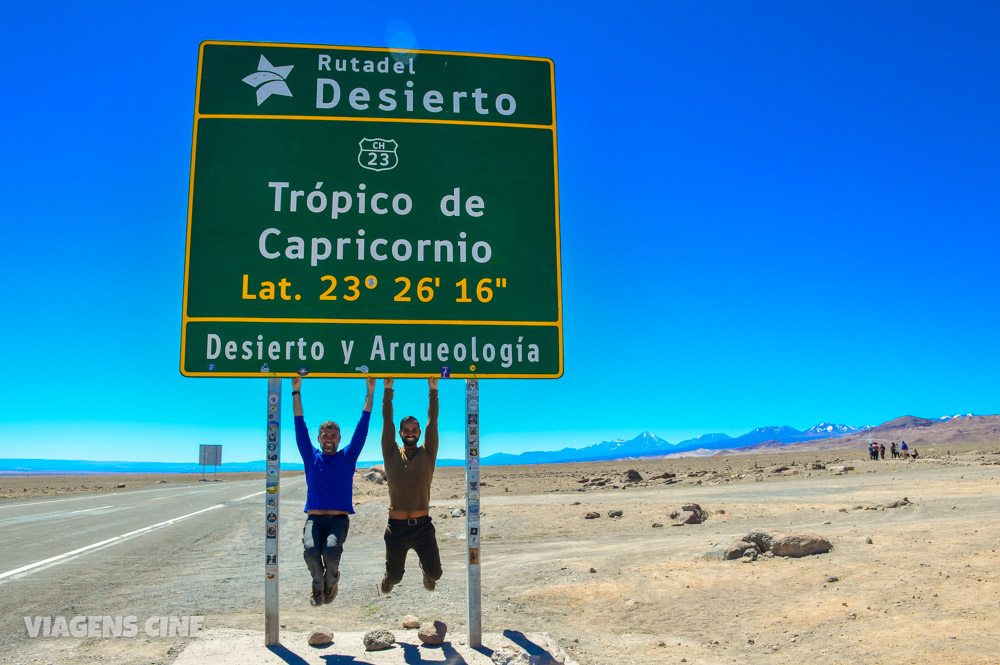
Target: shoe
x,y
385,587
429,583
331,593
317,597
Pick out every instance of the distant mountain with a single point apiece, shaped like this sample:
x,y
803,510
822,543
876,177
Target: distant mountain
x,y
645,444
903,422
704,441
828,429
923,432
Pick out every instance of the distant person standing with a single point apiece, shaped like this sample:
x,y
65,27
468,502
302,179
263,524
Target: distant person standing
x,y
881,450
409,471
895,452
329,493
904,450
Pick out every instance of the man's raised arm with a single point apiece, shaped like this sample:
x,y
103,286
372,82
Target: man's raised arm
x,y
389,447
431,432
353,450
301,433
296,395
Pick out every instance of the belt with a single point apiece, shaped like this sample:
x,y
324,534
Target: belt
x,y
410,521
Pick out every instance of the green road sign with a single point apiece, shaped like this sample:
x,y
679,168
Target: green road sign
x,y
362,210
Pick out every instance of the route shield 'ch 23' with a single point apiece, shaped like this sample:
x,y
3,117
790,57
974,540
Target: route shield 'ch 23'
x,y
378,154
365,210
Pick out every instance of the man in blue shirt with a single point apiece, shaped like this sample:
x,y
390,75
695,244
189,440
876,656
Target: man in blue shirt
x,y
329,493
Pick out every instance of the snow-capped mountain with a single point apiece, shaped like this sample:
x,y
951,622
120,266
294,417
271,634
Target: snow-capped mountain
x,y
829,429
960,415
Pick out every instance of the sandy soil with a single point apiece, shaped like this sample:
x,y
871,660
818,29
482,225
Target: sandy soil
x,y
620,591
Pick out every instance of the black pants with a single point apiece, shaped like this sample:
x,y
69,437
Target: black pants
x,y
400,537
323,538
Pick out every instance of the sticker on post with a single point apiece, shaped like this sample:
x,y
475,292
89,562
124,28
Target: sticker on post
x,y
271,573
272,531
474,556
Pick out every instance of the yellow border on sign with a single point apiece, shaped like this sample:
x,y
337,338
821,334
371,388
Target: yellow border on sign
x,y
558,323
424,121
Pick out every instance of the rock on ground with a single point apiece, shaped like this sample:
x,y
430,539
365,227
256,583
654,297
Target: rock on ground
x,y
376,640
689,513
410,621
512,655
729,550
789,543
432,632
321,635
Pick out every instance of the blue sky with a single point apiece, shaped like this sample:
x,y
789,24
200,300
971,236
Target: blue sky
x,y
770,214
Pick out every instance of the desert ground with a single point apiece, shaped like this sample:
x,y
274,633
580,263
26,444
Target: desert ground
x,y
917,583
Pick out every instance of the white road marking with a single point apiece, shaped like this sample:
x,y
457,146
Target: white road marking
x,y
62,558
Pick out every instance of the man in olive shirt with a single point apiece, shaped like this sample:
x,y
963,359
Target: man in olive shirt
x,y
409,471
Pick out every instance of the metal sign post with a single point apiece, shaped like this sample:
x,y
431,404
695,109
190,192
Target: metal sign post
x,y
472,526
271,627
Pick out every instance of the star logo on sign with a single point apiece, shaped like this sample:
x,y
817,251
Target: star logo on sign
x,y
269,80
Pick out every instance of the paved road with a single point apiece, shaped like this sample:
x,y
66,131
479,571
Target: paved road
x,y
88,554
